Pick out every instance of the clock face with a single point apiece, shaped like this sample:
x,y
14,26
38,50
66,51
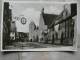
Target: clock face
x,y
23,20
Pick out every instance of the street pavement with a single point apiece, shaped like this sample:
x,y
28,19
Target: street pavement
x,y
30,45
25,45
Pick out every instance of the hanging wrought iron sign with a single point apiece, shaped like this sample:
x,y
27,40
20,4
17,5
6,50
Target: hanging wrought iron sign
x,y
23,20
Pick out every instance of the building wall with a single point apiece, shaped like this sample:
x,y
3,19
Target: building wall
x,y
6,24
63,32
13,26
42,26
32,28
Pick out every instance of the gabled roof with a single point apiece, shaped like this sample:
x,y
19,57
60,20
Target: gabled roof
x,y
49,18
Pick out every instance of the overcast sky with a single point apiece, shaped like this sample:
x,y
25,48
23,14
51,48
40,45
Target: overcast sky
x,y
32,12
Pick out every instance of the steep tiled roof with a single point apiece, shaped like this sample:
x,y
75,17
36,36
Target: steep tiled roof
x,y
49,18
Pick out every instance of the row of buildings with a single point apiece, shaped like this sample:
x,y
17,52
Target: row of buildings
x,y
10,33
55,29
